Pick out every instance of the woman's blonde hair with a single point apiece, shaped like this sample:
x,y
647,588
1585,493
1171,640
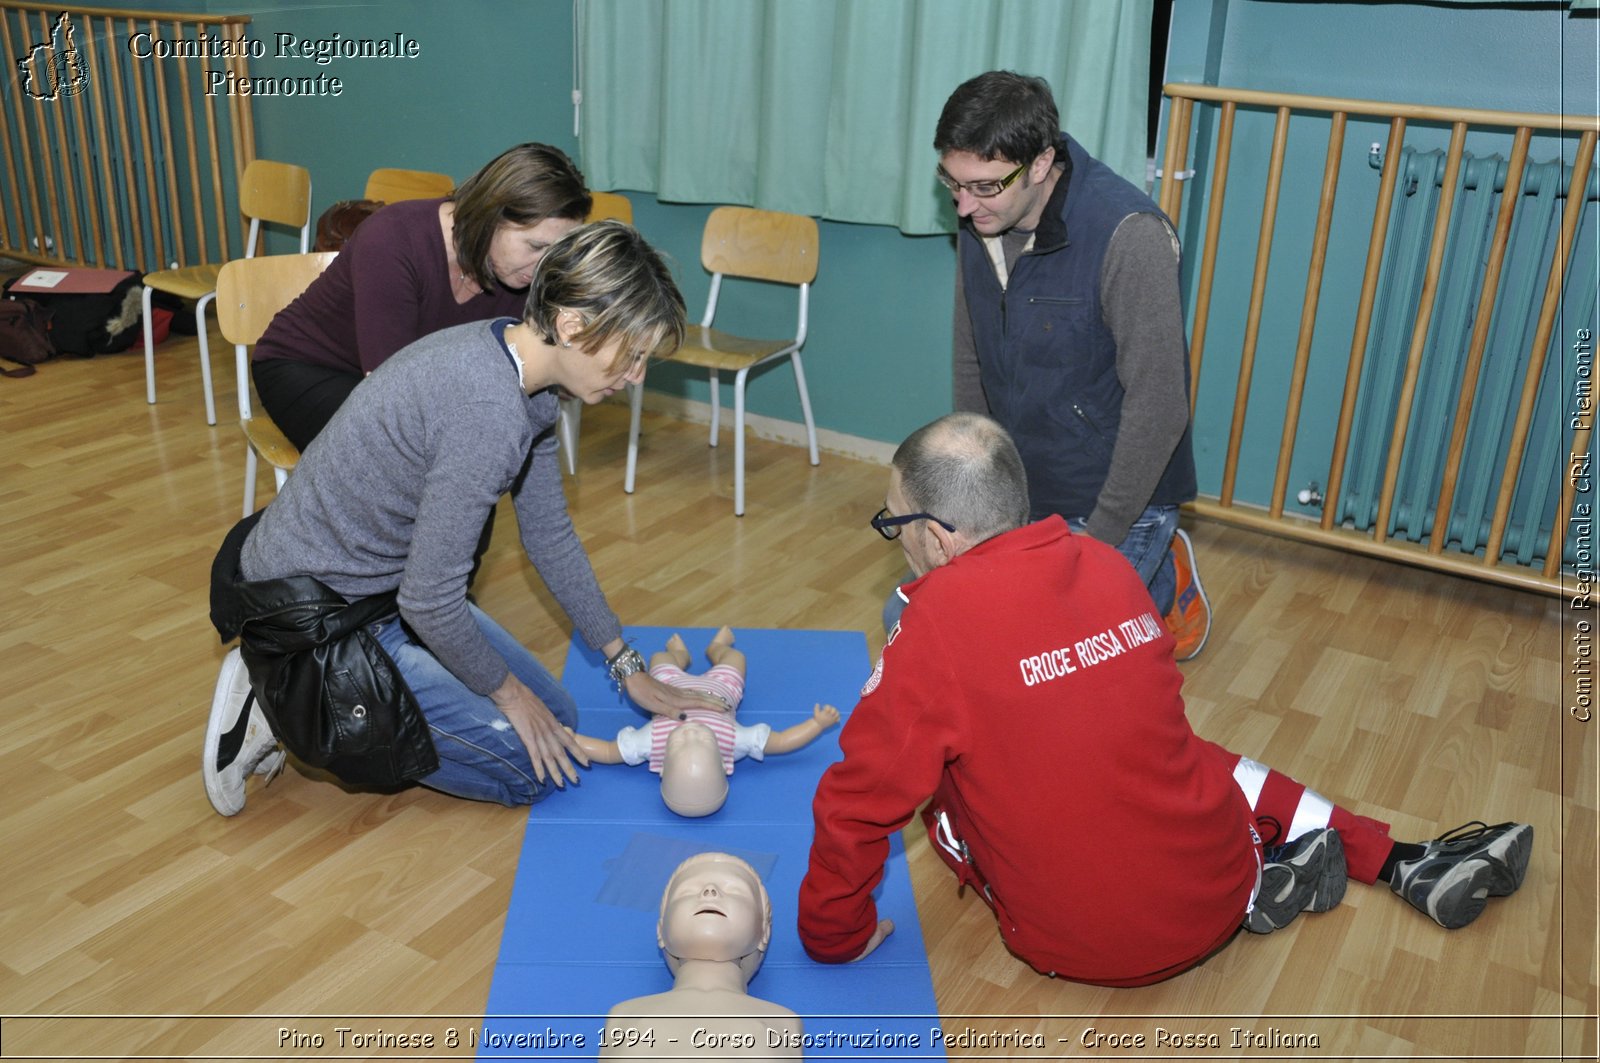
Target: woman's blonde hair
x,y
617,284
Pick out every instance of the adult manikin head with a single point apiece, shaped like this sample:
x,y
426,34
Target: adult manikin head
x,y
715,909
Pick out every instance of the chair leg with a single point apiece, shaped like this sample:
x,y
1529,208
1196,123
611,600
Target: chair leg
x,y
149,352
805,407
738,442
567,422
205,355
249,478
716,407
279,477
241,373
636,400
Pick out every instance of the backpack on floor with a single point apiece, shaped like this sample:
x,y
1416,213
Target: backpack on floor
x,y
90,323
24,335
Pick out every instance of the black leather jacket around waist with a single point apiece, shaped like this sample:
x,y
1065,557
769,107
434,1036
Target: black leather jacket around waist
x,y
332,695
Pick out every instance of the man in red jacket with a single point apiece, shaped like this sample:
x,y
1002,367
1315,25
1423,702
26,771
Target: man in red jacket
x,y
1029,689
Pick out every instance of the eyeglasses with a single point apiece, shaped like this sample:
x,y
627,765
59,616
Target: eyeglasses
x,y
979,189
889,527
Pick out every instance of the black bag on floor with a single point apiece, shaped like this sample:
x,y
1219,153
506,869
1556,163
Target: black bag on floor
x,y
90,323
24,335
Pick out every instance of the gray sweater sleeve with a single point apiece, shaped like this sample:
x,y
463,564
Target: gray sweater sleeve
x,y
966,382
554,548
1141,306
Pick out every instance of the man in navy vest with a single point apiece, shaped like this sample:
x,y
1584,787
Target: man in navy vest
x,y
1069,331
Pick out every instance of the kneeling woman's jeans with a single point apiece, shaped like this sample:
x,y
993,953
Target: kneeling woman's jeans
x,y
481,756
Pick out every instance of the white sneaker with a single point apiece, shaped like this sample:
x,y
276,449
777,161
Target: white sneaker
x,y
239,740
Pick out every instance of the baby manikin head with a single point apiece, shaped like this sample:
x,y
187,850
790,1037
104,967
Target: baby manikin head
x,y
694,781
715,909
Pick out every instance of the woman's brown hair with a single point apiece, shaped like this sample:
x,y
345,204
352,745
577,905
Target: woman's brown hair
x,y
523,186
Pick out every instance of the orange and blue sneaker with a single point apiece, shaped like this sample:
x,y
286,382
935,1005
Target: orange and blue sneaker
x,y
1189,619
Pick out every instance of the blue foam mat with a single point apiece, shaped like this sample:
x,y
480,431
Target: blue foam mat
x,y
580,934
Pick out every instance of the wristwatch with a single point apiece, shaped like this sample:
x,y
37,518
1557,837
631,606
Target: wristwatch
x,y
625,663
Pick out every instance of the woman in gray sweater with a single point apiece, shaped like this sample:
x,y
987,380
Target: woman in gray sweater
x,y
392,495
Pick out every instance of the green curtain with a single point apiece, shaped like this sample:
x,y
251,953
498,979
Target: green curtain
x,y
827,107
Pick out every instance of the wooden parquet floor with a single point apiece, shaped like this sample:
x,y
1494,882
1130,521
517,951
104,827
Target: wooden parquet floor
x,y
1422,699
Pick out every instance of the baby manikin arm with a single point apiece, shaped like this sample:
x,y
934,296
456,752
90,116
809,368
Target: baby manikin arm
x,y
598,749
801,734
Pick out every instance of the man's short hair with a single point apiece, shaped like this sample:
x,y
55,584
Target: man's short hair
x,y
999,115
965,470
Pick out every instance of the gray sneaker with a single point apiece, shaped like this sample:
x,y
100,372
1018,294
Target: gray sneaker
x,y
239,741
1307,875
1458,873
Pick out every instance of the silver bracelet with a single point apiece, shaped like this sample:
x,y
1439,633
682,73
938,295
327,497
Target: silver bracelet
x,y
627,661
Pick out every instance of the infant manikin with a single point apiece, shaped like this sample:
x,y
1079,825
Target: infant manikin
x,y
694,756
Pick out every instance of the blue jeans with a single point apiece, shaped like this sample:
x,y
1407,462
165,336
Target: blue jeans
x,y
1148,548
481,756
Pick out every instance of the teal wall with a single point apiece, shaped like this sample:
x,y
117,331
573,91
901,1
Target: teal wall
x,y
493,74
1507,56
1515,56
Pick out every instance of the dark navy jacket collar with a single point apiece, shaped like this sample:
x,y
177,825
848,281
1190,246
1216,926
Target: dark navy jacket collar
x,y
1052,231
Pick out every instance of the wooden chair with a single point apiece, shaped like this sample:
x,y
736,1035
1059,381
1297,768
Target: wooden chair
x,y
607,206
760,245
277,192
393,186
610,206
250,292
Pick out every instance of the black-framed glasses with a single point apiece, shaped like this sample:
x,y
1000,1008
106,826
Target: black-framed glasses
x,y
979,189
889,526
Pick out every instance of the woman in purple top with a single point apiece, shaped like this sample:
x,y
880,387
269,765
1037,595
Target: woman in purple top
x,y
411,269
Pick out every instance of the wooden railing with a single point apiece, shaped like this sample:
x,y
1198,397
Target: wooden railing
x,y
115,137
1212,172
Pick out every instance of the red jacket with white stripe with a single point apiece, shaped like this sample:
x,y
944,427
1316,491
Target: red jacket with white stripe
x,y
1030,691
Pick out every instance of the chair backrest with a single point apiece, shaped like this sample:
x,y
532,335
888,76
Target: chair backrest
x,y
393,186
611,206
763,244
277,192
250,292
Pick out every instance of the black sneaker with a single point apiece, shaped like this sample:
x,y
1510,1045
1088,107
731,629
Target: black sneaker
x,y
1307,875
1457,874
